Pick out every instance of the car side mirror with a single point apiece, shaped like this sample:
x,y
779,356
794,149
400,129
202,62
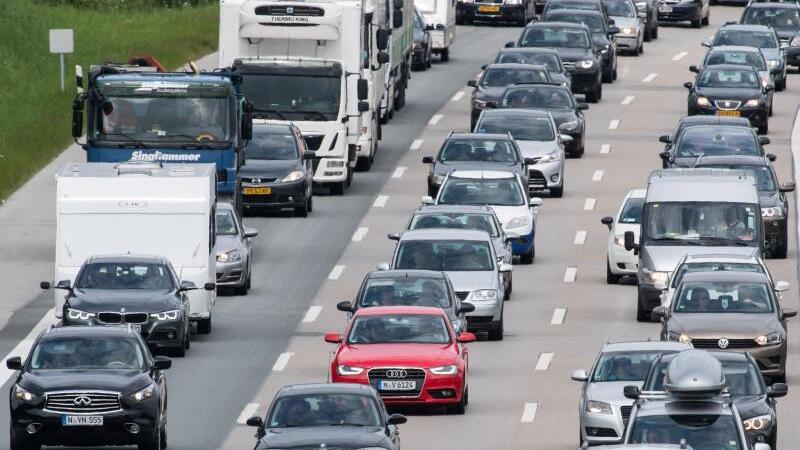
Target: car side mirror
x,y
664,139
505,267
250,233
44,285
382,267
396,419
788,187
694,69
777,390
582,106
763,140
64,284
255,421
210,286
789,313
612,30
490,104
345,306
466,337
427,200
187,285
382,58
472,83
579,375
393,236
529,160
781,286
14,363
162,363
466,308
607,221
630,241
509,44
659,313
333,338
427,160
565,138
536,202
664,156
631,392
706,44
688,85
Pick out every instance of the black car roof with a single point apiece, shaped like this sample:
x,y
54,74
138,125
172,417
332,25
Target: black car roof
x,y
529,50
557,24
514,66
573,12
324,388
714,120
533,85
393,274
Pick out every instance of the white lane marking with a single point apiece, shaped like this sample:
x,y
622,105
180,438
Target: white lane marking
x,y
336,272
312,313
649,78
282,361
679,56
360,234
558,316
380,201
459,95
795,146
399,172
588,205
614,124
248,411
25,345
529,412
570,274
605,148
544,361
627,100
580,237
416,145
598,175
435,119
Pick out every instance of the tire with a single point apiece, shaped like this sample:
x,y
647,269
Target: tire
x,y
648,34
310,208
179,351
338,188
445,55
608,77
19,440
204,326
654,32
763,129
527,258
496,332
614,74
163,437
596,95
299,211
780,251
611,278
770,110
636,51
400,100
460,407
510,287
557,192
459,20
641,314
780,86
697,23
429,62
152,442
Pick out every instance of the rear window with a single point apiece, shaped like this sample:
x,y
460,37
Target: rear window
x,y
623,366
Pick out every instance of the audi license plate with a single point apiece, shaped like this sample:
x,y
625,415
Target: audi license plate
x,y
257,191
728,113
397,385
488,9
82,421
665,9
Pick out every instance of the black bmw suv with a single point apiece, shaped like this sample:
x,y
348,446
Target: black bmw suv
x,y
89,386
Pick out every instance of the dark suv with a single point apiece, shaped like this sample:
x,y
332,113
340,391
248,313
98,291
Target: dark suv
x,y
89,386
602,34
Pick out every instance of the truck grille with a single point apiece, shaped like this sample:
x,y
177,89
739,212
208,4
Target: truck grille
x,y
417,375
115,317
313,141
569,65
289,10
732,343
83,402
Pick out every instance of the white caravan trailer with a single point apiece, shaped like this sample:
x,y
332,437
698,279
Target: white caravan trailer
x,y
441,14
139,208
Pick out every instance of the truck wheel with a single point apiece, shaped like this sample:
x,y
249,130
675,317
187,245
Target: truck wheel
x,y
204,326
400,100
445,55
611,278
337,188
364,163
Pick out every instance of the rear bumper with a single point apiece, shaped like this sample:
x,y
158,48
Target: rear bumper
x,y
283,195
680,13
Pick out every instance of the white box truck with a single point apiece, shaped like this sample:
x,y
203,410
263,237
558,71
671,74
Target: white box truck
x,y
441,14
319,64
139,208
400,18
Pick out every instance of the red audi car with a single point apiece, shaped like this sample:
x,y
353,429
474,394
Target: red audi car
x,y
409,354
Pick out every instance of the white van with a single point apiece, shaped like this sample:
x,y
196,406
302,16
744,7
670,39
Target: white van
x,y
139,208
441,15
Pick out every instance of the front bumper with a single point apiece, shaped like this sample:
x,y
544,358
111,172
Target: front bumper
x,y
504,13
599,428
524,243
283,195
486,316
627,42
775,233
437,390
546,175
156,333
680,12
621,261
231,274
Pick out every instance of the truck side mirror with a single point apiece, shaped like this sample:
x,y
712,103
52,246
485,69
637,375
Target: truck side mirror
x,y
77,118
383,58
630,243
397,19
363,89
363,106
382,39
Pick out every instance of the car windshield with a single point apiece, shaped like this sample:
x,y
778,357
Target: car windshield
x,y
549,60
464,221
699,223
623,366
445,255
399,329
620,8
632,211
594,22
522,128
764,178
714,266
324,410
717,141
697,431
497,192
547,37
734,297
109,275
87,352
226,224
479,150
294,96
729,78
753,59
501,76
742,378
405,291
778,18
537,98
272,145
746,38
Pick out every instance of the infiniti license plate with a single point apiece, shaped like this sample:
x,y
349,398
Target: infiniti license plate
x,y
82,421
397,385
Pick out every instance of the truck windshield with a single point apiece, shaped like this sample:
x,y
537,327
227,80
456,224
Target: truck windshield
x,y
701,223
293,96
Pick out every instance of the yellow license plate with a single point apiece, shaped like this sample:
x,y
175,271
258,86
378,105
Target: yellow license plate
x,y
489,9
728,113
257,191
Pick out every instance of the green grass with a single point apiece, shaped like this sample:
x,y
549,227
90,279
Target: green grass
x,y
35,116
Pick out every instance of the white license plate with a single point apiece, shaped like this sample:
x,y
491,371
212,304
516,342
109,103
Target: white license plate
x,y
397,385
82,421
665,9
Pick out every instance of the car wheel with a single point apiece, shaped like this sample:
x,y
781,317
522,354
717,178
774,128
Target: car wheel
x,y
764,128
780,251
707,18
179,351
641,47
187,342
460,407
310,208
429,62
641,314
654,32
614,74
302,211
510,286
697,23
20,441
611,278
595,95
528,257
557,192
163,437
635,52
204,326
781,85
496,331
648,33
608,76
444,56
770,110
338,188
152,442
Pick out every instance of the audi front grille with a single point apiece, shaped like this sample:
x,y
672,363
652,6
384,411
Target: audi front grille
x,y
83,402
417,375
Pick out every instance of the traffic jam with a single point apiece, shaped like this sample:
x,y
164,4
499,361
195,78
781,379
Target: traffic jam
x,y
451,305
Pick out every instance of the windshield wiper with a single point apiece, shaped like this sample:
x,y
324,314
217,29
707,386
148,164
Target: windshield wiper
x,y
133,142
347,424
315,113
672,239
262,113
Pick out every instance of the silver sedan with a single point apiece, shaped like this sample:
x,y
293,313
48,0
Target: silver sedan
x,y
234,250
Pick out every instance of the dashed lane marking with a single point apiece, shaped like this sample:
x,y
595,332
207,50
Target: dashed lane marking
x,y
360,234
649,78
627,100
679,56
458,96
570,274
247,412
435,119
380,201
282,361
529,412
605,148
598,175
399,172
580,237
416,145
589,204
558,316
336,272
614,124
312,313
544,361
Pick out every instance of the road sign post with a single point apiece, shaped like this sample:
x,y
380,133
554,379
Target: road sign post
x,y
61,43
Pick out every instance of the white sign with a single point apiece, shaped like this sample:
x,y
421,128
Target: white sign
x,y
61,41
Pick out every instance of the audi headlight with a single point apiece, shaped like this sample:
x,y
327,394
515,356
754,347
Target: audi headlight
x,y
444,370
229,256
795,41
770,339
757,423
596,407
517,222
167,315
293,176
678,337
655,277
773,63
77,314
774,211
702,101
569,126
483,295
144,394
586,64
550,157
21,393
346,370
479,104
752,103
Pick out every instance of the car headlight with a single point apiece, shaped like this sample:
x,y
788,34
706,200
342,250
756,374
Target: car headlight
x,y
516,222
550,157
596,407
292,176
757,423
678,337
20,393
483,295
569,126
343,369
479,104
586,64
773,63
770,339
77,314
752,103
167,315
144,394
795,41
437,178
444,370
774,211
229,256
619,240
628,30
765,81
702,101
605,49
655,277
